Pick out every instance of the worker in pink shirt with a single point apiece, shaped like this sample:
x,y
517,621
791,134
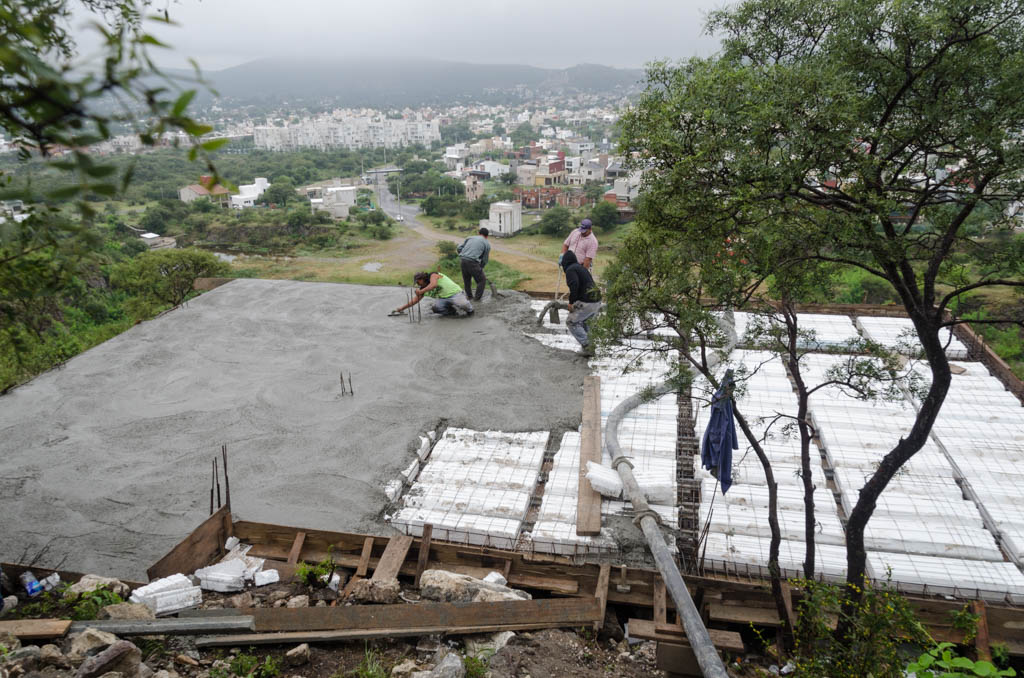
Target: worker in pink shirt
x,y
583,243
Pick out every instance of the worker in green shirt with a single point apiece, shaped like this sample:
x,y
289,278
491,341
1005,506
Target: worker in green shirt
x,y
450,299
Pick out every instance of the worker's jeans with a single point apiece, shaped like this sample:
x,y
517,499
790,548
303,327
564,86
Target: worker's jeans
x,y
472,270
579,319
452,305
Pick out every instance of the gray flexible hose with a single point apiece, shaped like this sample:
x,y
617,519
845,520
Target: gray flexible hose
x,y
700,641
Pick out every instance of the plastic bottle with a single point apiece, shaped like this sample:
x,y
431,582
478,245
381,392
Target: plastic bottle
x,y
31,584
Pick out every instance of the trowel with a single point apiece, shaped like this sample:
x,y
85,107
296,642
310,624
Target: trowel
x,y
392,314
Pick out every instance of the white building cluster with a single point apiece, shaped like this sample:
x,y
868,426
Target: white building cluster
x,y
341,130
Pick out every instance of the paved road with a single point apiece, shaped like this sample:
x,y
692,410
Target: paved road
x,y
411,211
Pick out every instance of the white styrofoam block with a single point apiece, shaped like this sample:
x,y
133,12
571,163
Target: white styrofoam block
x,y
409,473
424,448
604,480
995,581
393,489
168,594
265,577
223,577
231,543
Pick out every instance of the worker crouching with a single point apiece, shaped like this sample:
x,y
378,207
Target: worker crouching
x,y
449,297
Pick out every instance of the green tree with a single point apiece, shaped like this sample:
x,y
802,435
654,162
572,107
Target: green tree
x,y
556,222
509,178
523,135
605,216
52,100
280,192
863,133
165,277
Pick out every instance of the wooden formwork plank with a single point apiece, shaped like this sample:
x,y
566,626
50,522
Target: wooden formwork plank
x,y
390,562
296,550
588,500
364,634
198,549
601,592
660,604
558,611
423,557
364,557
981,640
673,633
36,629
741,614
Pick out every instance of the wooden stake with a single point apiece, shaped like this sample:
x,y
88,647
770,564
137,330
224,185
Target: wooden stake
x,y
424,555
227,483
216,474
212,480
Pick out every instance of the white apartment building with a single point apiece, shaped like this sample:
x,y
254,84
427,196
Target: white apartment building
x,y
343,131
248,194
505,219
495,169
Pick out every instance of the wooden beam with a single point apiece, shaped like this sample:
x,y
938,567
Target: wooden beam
x,y
156,627
739,614
362,634
660,605
36,629
673,633
424,555
981,640
601,592
364,558
293,555
196,550
787,600
559,611
390,562
588,500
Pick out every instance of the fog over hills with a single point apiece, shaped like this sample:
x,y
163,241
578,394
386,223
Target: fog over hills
x,y
406,82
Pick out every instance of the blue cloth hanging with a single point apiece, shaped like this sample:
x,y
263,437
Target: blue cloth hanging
x,y
720,435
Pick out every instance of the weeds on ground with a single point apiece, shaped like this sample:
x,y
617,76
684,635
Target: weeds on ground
x,y
966,622
372,666
88,605
881,624
1000,654
248,666
476,667
942,661
318,575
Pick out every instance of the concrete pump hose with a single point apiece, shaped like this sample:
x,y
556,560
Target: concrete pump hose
x,y
547,307
711,665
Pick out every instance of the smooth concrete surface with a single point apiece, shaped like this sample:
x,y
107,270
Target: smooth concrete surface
x,y
108,459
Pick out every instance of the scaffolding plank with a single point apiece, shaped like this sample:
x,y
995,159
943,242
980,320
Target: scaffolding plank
x,y
391,561
36,629
588,500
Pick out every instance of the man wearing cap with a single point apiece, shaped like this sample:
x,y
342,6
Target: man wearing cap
x,y
583,243
473,255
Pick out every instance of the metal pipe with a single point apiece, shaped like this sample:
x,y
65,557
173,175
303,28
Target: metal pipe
x,y
710,663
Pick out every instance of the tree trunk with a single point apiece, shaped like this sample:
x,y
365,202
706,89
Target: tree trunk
x,y
774,571
928,327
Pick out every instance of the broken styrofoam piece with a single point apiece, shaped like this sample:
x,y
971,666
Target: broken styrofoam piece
x,y
496,578
231,543
410,472
424,449
251,564
656,487
264,577
334,582
393,489
223,577
168,595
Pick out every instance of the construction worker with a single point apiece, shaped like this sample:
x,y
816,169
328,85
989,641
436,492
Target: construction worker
x,y
583,244
450,297
584,300
473,255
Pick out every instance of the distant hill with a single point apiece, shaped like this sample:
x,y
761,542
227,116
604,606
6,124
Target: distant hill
x,y
390,82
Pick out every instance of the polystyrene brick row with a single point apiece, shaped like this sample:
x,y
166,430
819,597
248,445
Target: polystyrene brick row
x,y
851,480
750,472
561,538
1008,516
902,506
732,553
508,478
790,497
937,575
482,501
1012,539
931,537
922,463
753,521
514,456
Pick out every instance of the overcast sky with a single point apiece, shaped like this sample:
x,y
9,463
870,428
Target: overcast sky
x,y
626,33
